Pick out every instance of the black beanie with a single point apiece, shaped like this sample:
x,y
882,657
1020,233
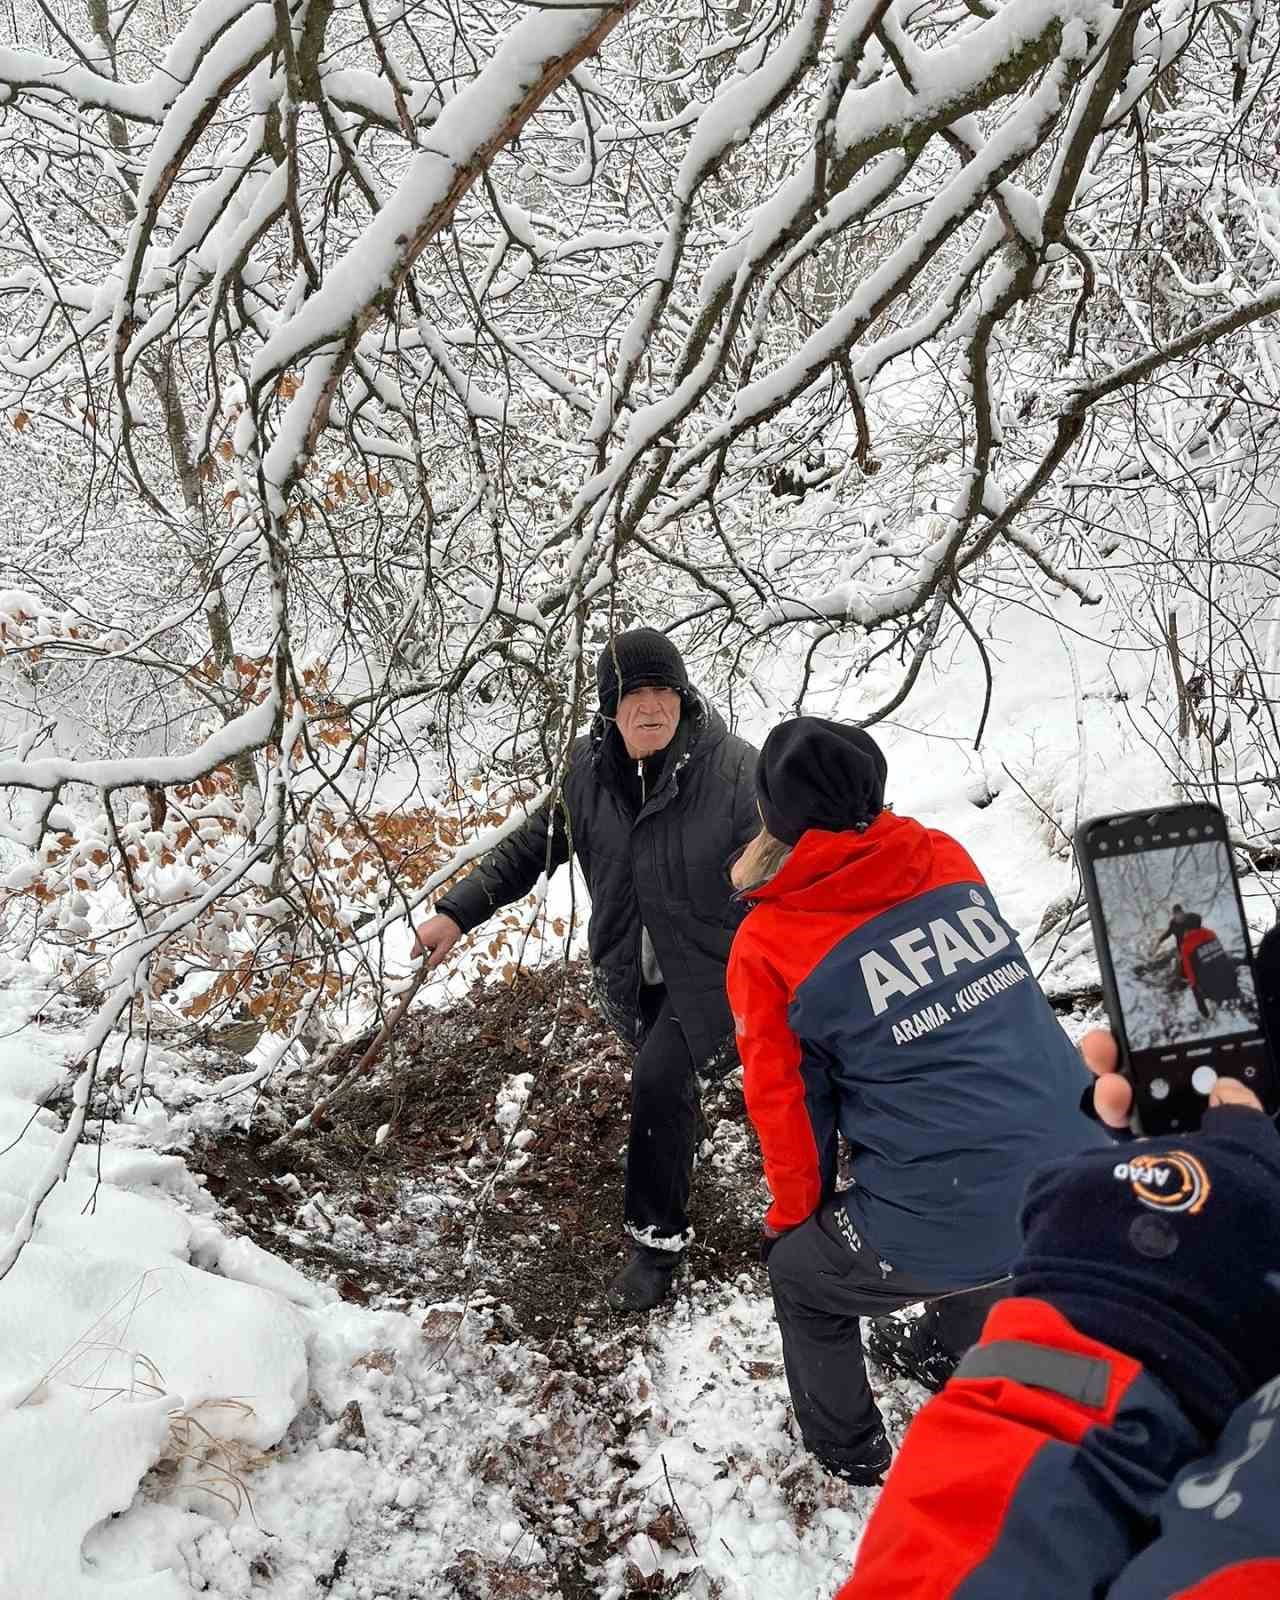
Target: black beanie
x,y
819,774
1169,1250
641,658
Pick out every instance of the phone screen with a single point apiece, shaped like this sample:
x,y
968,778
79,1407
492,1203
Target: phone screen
x,y
1175,959
1179,951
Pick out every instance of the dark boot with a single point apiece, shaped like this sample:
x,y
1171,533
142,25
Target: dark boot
x,y
907,1348
864,1466
645,1280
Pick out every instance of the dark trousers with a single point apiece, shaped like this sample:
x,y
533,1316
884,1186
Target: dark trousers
x,y
824,1277
664,1129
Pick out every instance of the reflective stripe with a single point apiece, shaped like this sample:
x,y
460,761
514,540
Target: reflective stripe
x,y
1081,1378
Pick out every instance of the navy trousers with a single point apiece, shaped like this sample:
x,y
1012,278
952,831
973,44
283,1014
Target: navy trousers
x,y
825,1277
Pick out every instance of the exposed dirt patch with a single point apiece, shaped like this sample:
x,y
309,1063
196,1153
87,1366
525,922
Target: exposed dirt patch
x,y
499,1173
497,1189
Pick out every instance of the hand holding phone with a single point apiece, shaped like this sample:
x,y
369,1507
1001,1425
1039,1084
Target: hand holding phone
x,y
1177,971
1113,1093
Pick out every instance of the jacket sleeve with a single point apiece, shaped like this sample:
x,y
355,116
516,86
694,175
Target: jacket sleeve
x,y
1038,1469
1219,1538
774,1086
540,844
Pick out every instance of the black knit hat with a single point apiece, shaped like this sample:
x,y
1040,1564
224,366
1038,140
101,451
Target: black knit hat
x,y
819,774
1169,1250
641,658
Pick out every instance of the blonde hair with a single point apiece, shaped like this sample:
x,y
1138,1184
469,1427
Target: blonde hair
x,y
760,860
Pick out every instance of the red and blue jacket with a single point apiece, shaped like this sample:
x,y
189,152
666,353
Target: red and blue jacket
x,y
1053,1465
1189,944
877,992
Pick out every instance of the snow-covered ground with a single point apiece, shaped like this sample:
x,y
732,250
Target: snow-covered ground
x,y
181,1412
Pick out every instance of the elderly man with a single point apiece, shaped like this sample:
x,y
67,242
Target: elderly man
x,y
656,800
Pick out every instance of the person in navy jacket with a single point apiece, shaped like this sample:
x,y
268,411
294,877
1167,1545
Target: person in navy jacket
x,y
878,993
1116,1432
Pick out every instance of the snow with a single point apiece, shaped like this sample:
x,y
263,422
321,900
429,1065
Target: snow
x,y
153,1363
381,1447
146,101
78,1468
227,53
454,149
1021,131
729,118
726,1467
372,96
109,1331
248,731
947,77
133,1325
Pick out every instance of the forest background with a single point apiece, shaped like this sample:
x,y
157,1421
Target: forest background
x,y
364,366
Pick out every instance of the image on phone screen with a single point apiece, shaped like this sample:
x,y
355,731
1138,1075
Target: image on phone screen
x,y
1178,946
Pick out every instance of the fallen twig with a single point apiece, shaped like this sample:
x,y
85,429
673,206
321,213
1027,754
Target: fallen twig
x,y
362,1067
675,1506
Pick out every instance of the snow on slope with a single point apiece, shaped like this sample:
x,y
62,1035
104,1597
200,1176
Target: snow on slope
x,y
181,1413
1074,706
371,1442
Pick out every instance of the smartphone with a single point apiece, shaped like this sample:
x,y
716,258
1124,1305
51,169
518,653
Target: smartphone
x,y
1177,970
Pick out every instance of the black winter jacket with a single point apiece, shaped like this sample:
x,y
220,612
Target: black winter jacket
x,y
664,869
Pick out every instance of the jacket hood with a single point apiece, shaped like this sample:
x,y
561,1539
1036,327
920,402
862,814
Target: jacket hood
x,y
853,872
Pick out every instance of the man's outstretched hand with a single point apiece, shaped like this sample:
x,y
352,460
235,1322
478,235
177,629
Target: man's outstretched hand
x,y
1113,1093
435,938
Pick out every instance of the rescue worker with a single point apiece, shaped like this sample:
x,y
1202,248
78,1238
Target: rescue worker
x,y
878,993
1207,969
1116,1432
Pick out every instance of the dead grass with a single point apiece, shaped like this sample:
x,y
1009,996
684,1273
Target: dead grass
x,y
195,1458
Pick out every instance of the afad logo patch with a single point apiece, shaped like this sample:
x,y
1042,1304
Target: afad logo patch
x,y
1174,1181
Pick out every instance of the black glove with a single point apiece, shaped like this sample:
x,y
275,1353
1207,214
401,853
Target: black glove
x,y
1169,1250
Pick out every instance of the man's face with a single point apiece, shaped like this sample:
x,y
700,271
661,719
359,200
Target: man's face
x,y
647,720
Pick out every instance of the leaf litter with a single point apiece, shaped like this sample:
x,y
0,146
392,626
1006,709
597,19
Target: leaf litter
x,y
621,1456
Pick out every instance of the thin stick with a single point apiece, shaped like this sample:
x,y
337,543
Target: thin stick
x,y
688,1531
361,1068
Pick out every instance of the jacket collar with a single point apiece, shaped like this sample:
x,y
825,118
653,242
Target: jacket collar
x,y
852,872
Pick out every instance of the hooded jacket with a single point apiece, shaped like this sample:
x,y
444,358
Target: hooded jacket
x,y
655,860
1108,1435
1057,1466
878,992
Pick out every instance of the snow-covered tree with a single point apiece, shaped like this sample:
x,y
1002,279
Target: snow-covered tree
x,y
364,365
